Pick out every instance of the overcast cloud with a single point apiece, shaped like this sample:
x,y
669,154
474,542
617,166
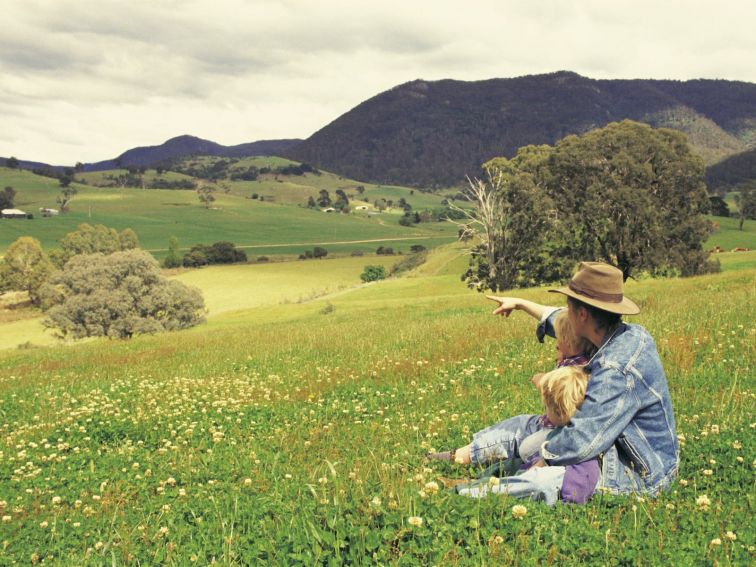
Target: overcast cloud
x,y
87,80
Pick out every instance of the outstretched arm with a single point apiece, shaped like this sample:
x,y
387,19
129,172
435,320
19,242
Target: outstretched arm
x,y
509,304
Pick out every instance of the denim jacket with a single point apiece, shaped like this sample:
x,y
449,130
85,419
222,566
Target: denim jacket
x,y
626,419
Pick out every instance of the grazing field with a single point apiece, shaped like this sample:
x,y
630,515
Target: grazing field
x,y
295,433
158,214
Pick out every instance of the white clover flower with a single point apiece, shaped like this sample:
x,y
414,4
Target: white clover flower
x,y
708,472
683,482
498,540
703,502
736,445
416,521
519,511
375,502
716,541
56,500
247,482
732,536
431,487
7,519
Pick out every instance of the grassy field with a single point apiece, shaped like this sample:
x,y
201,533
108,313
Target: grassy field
x,y
294,433
156,215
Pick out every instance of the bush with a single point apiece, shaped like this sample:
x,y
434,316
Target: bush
x,y
118,296
373,273
357,253
381,251
319,252
262,259
409,263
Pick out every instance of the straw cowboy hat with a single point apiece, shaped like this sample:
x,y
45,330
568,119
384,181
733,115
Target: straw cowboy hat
x,y
600,285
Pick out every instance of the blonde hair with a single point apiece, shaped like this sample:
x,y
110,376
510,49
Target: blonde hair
x,y
566,334
563,392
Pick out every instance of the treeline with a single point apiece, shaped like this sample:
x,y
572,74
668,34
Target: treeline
x,y
222,169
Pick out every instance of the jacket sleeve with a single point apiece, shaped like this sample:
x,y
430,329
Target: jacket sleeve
x,y
610,405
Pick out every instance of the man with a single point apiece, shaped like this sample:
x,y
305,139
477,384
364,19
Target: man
x,y
626,419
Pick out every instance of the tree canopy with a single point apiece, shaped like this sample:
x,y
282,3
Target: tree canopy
x,y
25,267
118,296
626,194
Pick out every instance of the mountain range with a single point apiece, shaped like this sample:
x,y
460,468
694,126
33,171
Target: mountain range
x,y
434,133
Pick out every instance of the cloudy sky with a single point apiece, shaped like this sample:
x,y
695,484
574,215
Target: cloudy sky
x,y
86,80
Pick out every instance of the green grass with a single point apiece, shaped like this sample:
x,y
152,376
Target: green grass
x,y
292,433
728,236
156,215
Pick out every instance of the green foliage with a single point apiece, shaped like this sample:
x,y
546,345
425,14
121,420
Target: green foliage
x,y
409,262
12,163
718,206
746,202
6,198
118,296
25,267
373,273
217,253
173,259
626,194
88,239
205,195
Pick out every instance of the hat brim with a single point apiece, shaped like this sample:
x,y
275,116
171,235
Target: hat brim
x,y
624,307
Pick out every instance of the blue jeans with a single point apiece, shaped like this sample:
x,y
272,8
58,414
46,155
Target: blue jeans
x,y
537,483
501,441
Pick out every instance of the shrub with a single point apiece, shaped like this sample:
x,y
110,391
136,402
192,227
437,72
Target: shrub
x,y
373,273
319,252
118,296
262,259
382,251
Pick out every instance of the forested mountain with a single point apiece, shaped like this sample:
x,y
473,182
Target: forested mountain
x,y
183,146
435,133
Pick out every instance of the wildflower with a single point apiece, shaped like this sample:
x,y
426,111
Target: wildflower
x,y
423,494
739,459
716,541
171,481
703,502
43,524
519,511
182,492
163,531
683,482
323,480
56,500
431,487
498,540
493,481
247,482
736,445
416,521
731,536
7,519
670,506
99,545
708,472
375,502
715,429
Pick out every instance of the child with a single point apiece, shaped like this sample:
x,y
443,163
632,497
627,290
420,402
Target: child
x,y
562,392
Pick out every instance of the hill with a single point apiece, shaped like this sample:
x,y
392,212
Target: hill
x,y
732,171
436,132
184,146
295,434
